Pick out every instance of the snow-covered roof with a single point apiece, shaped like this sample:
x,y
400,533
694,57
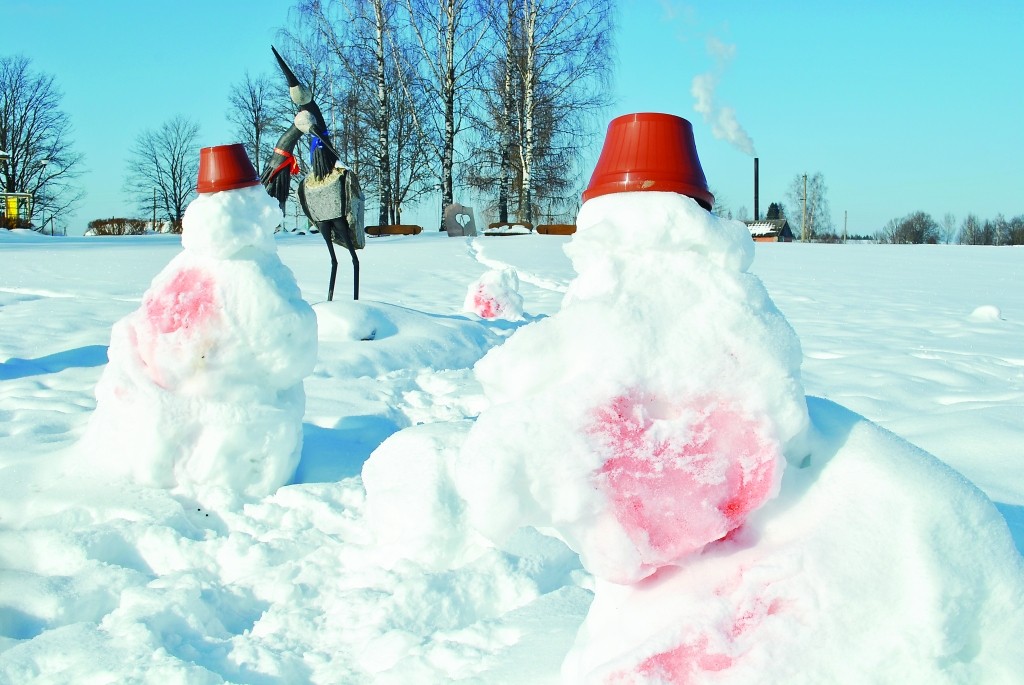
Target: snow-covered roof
x,y
766,227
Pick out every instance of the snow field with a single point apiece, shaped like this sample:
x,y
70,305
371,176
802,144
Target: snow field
x,y
382,577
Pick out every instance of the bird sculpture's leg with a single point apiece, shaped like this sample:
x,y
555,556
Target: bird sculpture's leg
x,y
327,232
355,271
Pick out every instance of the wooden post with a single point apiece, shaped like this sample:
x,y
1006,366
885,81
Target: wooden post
x,y
803,223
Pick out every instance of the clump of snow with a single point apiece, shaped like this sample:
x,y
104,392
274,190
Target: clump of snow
x,y
220,225
986,312
651,415
495,295
204,384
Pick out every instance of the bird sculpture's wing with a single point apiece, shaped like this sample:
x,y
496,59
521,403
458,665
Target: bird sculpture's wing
x,y
282,165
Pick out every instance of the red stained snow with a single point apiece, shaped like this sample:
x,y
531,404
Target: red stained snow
x,y
187,301
680,664
485,306
675,484
684,663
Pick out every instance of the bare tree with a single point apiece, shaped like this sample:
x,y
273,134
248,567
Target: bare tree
x,y
947,227
814,217
35,134
547,77
448,34
971,232
721,206
260,115
492,169
565,66
358,36
316,63
165,162
410,156
913,229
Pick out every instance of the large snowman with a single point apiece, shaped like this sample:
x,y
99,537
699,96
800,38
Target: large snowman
x,y
204,385
667,385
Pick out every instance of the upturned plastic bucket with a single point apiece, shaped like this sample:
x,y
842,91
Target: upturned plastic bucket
x,y
225,167
649,152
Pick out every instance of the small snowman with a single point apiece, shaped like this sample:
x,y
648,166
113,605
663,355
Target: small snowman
x,y
204,385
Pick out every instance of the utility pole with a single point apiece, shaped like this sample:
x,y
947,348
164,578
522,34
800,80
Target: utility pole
x,y
803,223
844,225
154,210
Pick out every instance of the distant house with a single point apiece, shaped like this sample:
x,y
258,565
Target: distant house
x,y
770,231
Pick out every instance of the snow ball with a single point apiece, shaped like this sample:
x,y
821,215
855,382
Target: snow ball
x,y
352,321
495,295
222,224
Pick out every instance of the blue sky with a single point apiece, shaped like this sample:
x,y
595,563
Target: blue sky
x,y
902,106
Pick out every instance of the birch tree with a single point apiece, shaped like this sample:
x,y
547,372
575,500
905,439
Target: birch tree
x,y
358,36
411,168
818,214
447,35
548,79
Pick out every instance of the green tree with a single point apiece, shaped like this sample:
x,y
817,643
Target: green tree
x,y
776,211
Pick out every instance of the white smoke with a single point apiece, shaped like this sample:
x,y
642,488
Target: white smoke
x,y
722,119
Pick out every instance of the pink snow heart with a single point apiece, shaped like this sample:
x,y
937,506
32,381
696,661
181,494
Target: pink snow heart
x,y
181,314
678,478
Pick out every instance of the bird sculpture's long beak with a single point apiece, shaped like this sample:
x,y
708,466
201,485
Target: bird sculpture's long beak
x,y
288,74
299,94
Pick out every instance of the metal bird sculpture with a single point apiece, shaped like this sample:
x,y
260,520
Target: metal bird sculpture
x,y
329,194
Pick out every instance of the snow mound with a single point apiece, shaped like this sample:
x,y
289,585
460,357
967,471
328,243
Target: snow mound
x,y
391,338
986,312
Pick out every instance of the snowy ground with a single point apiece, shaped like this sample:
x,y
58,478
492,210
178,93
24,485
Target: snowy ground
x,y
130,584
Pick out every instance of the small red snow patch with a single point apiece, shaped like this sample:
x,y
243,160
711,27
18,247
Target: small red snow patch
x,y
485,306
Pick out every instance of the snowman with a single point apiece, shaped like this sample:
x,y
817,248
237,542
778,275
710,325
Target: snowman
x,y
204,385
667,385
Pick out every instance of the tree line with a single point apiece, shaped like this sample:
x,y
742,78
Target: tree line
x,y
812,221
499,98
919,227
